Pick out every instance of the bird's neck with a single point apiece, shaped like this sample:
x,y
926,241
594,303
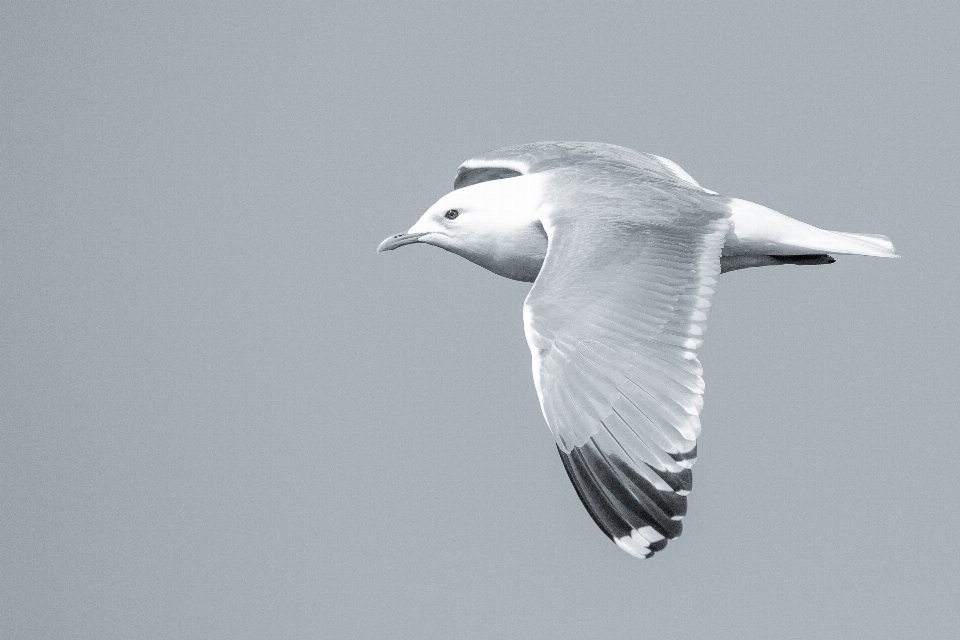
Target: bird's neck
x,y
512,242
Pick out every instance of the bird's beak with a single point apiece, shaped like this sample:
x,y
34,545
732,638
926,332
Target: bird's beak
x,y
399,240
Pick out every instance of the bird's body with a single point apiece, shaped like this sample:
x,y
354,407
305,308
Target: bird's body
x,y
624,249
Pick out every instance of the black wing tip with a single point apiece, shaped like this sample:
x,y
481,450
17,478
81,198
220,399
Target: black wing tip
x,y
592,502
632,512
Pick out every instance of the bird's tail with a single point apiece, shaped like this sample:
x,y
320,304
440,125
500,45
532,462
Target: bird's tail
x,y
757,230
863,244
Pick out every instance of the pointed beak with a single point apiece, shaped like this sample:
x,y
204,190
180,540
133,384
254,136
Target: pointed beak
x,y
399,240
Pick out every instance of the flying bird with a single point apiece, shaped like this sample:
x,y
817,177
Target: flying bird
x,y
624,249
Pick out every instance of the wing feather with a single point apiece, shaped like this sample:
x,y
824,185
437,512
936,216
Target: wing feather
x,y
613,323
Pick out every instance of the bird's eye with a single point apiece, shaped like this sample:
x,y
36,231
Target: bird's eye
x,y
450,215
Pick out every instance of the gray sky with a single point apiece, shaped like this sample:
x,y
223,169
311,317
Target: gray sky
x,y
224,416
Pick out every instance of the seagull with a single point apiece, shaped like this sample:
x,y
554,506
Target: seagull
x,y
623,249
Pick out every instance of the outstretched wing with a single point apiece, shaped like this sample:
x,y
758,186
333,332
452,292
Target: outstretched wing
x,y
613,323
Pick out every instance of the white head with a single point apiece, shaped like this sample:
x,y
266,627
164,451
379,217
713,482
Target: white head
x,y
494,224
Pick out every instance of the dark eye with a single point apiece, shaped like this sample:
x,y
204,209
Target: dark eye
x,y
452,214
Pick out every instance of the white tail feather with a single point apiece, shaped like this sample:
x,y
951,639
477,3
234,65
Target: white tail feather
x,y
757,230
869,244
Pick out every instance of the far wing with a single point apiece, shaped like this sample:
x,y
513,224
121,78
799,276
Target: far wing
x,y
613,323
535,157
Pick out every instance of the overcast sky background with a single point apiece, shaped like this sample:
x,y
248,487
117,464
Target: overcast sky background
x,y
225,416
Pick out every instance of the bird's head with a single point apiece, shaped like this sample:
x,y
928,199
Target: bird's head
x,y
494,224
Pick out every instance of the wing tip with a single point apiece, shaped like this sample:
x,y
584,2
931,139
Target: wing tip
x,y
642,543
627,544
636,516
